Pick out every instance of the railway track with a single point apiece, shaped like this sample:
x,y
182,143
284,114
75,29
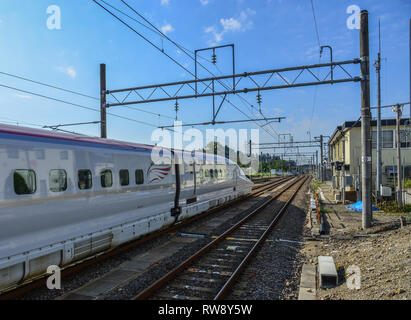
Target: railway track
x,y
27,287
211,271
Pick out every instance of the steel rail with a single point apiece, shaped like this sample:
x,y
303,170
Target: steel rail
x,y
224,290
163,280
35,283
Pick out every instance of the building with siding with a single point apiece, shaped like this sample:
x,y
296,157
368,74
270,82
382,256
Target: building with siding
x,y
352,132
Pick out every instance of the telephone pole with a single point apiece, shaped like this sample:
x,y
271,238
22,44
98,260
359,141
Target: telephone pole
x,y
377,65
365,122
398,110
322,158
103,116
343,170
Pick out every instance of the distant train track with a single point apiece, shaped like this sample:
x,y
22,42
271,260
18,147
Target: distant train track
x,y
212,270
35,283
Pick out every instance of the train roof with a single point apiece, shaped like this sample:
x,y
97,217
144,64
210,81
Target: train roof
x,y
41,135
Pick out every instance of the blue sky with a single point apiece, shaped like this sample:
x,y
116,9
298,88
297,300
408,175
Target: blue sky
x,y
267,34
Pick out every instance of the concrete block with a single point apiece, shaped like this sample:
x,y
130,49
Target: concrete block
x,y
307,290
327,273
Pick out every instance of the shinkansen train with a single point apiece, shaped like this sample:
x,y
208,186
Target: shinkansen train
x,y
66,197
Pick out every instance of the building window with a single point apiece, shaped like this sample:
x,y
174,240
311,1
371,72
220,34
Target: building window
x,y
124,178
387,139
84,179
405,138
139,176
24,181
106,178
58,180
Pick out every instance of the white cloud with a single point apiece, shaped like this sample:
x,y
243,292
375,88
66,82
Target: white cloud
x,y
241,23
23,96
230,24
167,28
67,70
205,2
165,2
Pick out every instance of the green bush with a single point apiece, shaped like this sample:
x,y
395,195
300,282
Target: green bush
x,y
392,206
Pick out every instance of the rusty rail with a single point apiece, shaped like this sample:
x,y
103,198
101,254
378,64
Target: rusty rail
x,y
146,293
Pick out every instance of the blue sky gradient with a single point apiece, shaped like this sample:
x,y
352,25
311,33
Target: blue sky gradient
x,y
267,34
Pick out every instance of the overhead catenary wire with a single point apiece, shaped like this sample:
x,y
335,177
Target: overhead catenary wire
x,y
75,92
319,58
190,56
167,55
75,104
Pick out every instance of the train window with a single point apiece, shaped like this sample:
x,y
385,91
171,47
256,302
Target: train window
x,y
211,173
139,176
84,179
201,173
124,178
216,173
106,178
24,181
58,180
221,173
206,173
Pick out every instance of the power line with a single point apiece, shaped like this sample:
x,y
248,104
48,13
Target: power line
x,y
76,93
319,46
179,46
189,55
76,105
315,23
48,85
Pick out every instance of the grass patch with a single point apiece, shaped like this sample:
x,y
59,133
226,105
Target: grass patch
x,y
316,184
325,210
391,208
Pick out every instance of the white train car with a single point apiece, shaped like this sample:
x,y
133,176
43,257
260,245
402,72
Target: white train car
x,y
65,197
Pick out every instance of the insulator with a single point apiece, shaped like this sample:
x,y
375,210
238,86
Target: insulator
x,y
214,58
176,108
259,98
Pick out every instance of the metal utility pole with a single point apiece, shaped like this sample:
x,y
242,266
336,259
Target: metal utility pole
x,y
322,159
320,170
343,170
398,110
103,116
365,121
261,163
377,65
316,164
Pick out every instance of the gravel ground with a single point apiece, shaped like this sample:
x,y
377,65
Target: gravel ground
x,y
382,253
274,273
384,260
